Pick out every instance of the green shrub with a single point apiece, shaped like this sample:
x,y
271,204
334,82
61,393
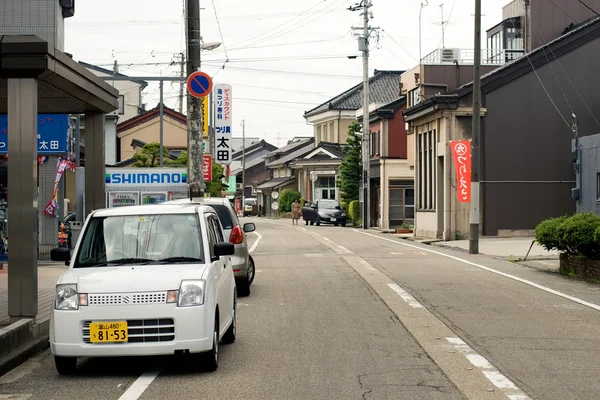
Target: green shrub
x,y
286,198
301,201
546,233
344,206
577,235
354,211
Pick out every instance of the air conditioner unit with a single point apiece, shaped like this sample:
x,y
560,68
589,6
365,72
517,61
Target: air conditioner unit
x,y
449,55
238,186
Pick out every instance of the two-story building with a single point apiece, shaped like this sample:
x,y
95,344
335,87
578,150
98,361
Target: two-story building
x,y
526,170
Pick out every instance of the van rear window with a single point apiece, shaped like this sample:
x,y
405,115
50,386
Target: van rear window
x,y
224,215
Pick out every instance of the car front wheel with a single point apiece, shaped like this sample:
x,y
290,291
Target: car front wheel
x,y
211,358
65,365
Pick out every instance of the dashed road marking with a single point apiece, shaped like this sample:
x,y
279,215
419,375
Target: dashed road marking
x,y
140,385
411,301
491,373
483,267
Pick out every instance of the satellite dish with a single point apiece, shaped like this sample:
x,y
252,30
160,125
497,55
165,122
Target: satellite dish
x,y
275,195
275,206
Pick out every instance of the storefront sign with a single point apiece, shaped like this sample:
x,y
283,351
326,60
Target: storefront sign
x,y
207,168
145,176
52,134
223,100
123,199
461,154
154,198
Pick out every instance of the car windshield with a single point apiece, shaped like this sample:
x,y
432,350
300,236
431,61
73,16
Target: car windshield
x,y
329,205
224,215
140,239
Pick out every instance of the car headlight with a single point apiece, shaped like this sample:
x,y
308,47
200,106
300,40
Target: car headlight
x,y
66,297
342,214
191,293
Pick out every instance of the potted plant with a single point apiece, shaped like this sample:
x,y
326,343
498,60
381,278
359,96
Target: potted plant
x,y
405,228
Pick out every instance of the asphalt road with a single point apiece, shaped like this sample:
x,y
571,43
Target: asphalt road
x,y
312,328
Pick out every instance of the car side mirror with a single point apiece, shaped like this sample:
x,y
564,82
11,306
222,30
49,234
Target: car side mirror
x,y
224,249
60,254
249,227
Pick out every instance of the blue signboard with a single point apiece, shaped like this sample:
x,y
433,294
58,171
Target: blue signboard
x,y
52,134
145,176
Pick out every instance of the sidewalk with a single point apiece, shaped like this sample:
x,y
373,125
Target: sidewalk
x,y
514,249
48,273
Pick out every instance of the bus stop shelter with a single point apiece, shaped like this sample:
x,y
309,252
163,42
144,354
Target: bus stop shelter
x,y
37,78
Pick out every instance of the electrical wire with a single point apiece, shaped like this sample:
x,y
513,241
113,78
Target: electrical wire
x,y
589,8
296,73
220,31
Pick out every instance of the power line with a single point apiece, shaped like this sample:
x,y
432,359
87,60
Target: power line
x,y
589,8
220,31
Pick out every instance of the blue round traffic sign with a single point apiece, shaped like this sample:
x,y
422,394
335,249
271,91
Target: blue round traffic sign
x,y
199,84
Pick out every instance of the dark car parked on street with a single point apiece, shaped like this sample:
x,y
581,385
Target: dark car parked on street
x,y
324,212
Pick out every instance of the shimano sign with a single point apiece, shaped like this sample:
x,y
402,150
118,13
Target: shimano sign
x,y
145,177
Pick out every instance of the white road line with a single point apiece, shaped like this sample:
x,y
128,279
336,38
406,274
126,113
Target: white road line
x,y
140,385
411,301
344,249
258,239
491,373
504,274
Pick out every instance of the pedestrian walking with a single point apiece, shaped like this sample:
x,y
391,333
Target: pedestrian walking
x,y
295,212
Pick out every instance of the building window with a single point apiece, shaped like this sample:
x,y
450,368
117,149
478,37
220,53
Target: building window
x,y
413,97
122,104
375,143
331,132
401,203
325,188
427,153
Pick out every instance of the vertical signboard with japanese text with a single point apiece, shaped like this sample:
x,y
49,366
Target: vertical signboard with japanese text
x,y
223,139
461,154
52,134
207,167
205,102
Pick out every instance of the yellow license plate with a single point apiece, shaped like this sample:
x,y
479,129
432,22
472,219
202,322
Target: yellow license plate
x,y
108,332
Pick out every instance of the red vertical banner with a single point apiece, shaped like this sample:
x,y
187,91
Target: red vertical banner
x,y
207,167
461,154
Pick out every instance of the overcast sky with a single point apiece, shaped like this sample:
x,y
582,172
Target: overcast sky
x,y
285,56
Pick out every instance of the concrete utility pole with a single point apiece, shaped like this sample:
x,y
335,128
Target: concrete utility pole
x,y
161,125
475,152
363,45
194,114
182,84
243,165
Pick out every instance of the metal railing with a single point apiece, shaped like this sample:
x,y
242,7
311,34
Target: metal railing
x,y
462,56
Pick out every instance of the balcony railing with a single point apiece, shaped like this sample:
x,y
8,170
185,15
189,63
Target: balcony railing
x,y
462,56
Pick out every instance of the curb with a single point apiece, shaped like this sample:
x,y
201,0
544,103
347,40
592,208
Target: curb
x,y
20,341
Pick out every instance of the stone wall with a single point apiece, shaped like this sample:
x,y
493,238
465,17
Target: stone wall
x,y
579,266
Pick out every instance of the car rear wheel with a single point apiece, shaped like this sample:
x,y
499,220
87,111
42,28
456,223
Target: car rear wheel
x,y
251,270
318,221
65,365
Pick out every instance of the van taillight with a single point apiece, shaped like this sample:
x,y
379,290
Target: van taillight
x,y
237,236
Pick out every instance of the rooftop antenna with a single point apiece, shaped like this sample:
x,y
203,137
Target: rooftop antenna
x,y
443,22
424,4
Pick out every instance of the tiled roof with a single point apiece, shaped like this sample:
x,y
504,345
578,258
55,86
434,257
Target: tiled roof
x,y
334,148
258,145
291,147
249,165
274,183
384,87
307,148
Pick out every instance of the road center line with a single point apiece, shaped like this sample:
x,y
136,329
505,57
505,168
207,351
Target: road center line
x,y
255,244
140,385
411,301
504,274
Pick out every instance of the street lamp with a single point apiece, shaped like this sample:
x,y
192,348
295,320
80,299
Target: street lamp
x,y
209,46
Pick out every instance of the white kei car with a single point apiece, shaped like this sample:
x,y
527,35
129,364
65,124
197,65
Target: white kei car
x,y
145,280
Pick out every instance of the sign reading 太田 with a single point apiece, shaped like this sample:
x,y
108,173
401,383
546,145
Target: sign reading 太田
x,y
145,177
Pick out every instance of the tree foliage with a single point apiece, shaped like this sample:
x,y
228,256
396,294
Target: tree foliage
x,y
149,157
215,187
286,198
351,166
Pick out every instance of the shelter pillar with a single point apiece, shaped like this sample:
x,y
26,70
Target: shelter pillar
x,y
23,198
95,171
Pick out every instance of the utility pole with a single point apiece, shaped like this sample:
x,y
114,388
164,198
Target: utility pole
x,y
243,165
363,45
475,150
182,83
194,114
161,114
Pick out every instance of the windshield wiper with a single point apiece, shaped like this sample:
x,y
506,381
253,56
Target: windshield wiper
x,y
122,261
179,259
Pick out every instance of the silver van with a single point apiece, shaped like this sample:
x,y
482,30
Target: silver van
x,y
242,262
